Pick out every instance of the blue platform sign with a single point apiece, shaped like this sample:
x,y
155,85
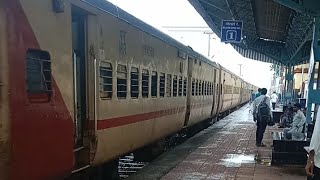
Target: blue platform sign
x,y
231,31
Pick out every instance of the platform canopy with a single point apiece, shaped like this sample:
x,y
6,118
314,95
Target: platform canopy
x,y
274,31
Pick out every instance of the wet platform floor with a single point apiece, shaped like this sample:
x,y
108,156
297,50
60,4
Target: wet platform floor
x,y
225,150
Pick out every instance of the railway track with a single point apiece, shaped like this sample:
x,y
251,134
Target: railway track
x,y
128,166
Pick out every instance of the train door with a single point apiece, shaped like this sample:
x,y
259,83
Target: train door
x,y
79,56
241,92
188,110
233,85
214,104
80,63
220,90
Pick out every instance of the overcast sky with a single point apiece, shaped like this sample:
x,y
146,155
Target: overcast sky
x,y
179,13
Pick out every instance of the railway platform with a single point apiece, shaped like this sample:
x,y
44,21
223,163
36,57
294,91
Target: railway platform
x,y
225,150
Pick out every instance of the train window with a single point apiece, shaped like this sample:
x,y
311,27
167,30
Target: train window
x,y
175,88
134,82
193,87
169,83
180,86
185,87
145,83
203,88
122,81
162,84
217,89
197,88
199,62
154,84
105,80
38,72
195,61
206,88
212,88
200,88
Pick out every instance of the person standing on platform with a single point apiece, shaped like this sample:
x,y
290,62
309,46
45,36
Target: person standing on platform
x,y
313,163
279,99
258,93
253,96
274,100
262,114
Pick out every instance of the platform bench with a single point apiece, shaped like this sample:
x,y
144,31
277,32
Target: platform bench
x,y
288,151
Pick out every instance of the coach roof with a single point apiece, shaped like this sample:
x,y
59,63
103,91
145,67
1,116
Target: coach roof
x,y
130,19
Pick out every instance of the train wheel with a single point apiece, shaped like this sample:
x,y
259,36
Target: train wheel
x,y
150,152
107,171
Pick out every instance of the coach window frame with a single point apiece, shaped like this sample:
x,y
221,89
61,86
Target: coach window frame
x,y
206,88
105,79
43,72
180,86
134,93
169,85
200,88
145,87
197,88
122,94
185,83
175,86
154,84
162,85
193,87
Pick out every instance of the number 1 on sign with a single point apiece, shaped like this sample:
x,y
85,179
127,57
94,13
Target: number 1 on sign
x,y
231,35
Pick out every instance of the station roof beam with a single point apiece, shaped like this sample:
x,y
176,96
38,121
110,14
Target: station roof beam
x,y
274,31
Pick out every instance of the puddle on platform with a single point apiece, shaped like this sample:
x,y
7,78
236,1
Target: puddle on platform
x,y
266,162
236,160
263,161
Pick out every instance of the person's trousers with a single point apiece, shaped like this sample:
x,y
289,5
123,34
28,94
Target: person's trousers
x,y
273,105
261,127
316,173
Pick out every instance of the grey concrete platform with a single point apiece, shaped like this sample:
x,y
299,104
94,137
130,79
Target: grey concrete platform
x,y
225,150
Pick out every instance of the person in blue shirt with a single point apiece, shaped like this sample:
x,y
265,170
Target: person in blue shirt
x,y
258,93
253,96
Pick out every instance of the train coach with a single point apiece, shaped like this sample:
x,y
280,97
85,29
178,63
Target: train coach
x,y
82,82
